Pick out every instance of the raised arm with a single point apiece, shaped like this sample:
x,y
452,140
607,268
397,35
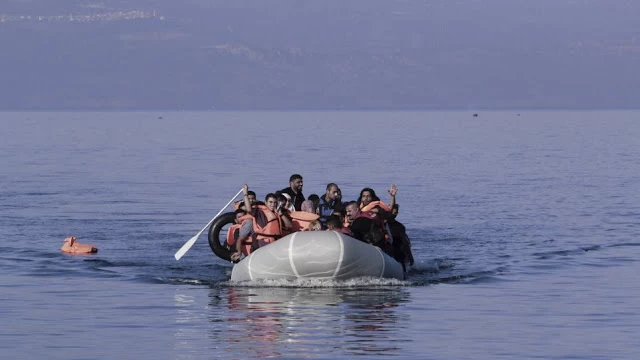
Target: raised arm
x,y
392,195
247,203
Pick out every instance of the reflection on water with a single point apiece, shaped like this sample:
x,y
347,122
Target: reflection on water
x,y
300,322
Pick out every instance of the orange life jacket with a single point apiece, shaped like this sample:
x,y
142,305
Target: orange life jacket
x,y
234,232
373,204
272,230
302,219
71,246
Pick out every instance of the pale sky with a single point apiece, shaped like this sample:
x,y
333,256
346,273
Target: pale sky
x,y
296,54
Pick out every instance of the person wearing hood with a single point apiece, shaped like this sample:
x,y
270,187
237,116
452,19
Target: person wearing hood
x,y
288,203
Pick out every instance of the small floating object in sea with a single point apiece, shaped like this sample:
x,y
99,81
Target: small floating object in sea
x,y
71,246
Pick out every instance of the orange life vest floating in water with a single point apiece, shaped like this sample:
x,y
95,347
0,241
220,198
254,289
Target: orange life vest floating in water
x,y
71,246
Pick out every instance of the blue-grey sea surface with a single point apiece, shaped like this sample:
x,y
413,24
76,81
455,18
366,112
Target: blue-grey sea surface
x,y
525,227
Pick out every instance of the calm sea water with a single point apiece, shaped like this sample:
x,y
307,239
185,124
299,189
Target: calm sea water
x,y
525,225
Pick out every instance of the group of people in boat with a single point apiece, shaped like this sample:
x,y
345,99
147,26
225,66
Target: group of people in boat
x,y
367,219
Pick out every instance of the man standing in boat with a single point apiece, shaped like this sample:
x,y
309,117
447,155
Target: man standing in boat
x,y
295,191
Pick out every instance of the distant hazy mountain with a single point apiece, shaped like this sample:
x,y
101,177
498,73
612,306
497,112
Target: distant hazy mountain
x,y
333,54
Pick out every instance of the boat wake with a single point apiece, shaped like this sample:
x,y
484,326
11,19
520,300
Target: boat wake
x,y
360,282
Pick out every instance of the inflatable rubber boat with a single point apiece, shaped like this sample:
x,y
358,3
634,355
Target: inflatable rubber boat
x,y
307,255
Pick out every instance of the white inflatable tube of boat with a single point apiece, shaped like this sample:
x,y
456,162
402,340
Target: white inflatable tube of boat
x,y
317,255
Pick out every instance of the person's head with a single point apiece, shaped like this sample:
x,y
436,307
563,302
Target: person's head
x,y
334,223
271,201
315,199
295,183
282,199
252,197
287,204
315,225
307,206
367,195
332,191
352,210
240,213
395,209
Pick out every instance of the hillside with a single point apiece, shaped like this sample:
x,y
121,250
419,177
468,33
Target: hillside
x,y
288,54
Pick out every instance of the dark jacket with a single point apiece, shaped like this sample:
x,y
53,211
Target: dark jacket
x,y
327,208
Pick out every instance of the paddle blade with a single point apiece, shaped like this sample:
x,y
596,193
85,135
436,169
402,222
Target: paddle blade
x,y
183,250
